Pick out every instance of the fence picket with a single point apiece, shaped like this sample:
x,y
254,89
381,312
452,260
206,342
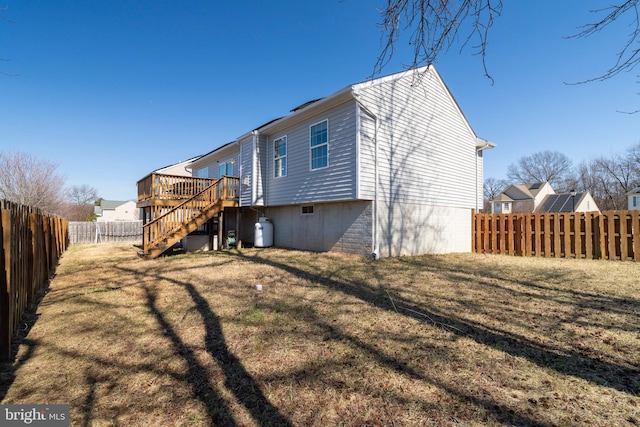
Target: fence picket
x,y
105,231
30,245
635,234
613,235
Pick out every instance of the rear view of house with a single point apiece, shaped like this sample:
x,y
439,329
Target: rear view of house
x,y
386,167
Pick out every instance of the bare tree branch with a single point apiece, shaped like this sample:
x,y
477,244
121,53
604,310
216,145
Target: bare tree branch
x,y
30,181
435,26
628,57
5,19
545,166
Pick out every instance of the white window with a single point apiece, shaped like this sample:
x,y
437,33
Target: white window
x,y
225,169
497,207
636,201
319,145
280,157
203,173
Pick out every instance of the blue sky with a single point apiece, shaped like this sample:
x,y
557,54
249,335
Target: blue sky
x,y
111,90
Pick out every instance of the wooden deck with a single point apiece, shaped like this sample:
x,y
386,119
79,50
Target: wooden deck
x,y
175,206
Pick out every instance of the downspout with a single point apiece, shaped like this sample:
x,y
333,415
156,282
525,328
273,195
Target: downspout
x,y
477,161
254,171
376,238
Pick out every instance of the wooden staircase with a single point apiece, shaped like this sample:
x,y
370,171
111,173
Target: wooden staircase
x,y
178,221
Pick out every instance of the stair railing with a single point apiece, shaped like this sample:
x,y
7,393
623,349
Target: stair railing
x,y
172,221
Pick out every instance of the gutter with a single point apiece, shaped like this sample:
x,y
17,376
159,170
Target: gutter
x,y
376,239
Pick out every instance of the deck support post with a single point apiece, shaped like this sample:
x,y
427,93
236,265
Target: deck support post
x,y
238,233
220,231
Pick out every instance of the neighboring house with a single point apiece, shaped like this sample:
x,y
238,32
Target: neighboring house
x,y
540,197
634,199
112,210
521,198
386,167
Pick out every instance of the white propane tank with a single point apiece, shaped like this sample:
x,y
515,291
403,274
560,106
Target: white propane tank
x,y
263,237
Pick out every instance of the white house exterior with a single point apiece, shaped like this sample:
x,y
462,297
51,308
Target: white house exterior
x,y
633,199
386,167
112,210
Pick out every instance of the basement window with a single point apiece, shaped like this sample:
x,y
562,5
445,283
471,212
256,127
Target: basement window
x,y
307,210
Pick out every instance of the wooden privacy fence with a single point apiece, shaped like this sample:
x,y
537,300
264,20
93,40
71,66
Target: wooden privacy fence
x,y
31,244
107,231
612,235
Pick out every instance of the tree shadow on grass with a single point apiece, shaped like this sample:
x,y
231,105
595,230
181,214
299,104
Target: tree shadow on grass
x,y
566,362
237,380
562,295
9,367
315,371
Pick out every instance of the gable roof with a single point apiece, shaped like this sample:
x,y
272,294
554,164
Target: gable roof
x,y
182,163
634,191
524,191
502,198
314,106
112,204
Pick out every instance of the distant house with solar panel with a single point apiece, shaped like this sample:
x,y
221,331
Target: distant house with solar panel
x,y
540,197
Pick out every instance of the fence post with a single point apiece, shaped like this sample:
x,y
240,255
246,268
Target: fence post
x,y
566,233
635,234
5,281
473,231
624,236
611,234
577,233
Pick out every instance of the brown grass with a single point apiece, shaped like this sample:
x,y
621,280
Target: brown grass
x,y
333,339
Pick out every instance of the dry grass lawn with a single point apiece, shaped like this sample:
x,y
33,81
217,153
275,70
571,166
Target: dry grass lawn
x,y
332,339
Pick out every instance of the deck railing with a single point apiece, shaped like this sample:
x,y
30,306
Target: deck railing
x,y
219,193
170,187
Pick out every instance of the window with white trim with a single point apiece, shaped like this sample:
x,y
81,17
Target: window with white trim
x,y
203,173
319,145
280,157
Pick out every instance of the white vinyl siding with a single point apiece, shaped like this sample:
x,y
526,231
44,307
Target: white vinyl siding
x,y
246,172
260,173
337,181
229,159
426,150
